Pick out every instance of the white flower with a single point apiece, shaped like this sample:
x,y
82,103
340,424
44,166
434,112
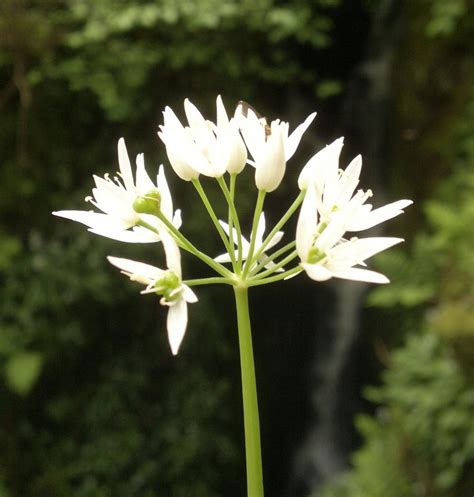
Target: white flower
x,y
167,283
223,258
115,198
203,147
325,254
269,145
335,190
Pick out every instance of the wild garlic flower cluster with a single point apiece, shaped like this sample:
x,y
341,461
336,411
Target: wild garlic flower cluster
x,y
134,209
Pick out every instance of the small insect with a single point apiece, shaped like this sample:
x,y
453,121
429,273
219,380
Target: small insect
x,y
244,108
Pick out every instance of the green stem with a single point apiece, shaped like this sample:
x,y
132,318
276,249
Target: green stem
x,y
280,276
249,396
212,215
229,196
208,281
272,257
187,245
270,271
281,222
256,218
230,216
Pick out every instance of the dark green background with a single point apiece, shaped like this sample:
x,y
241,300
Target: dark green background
x,y
92,404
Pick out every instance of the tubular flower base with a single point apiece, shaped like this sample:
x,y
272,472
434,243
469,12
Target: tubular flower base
x,y
136,210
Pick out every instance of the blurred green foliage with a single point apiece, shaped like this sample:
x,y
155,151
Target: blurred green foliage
x,y
421,440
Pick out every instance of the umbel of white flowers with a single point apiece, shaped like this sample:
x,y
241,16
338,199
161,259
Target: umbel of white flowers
x,y
135,209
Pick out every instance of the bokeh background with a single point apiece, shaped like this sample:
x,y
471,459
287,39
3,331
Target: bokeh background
x,y
364,392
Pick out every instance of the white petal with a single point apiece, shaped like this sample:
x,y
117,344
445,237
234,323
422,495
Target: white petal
x,y
357,274
223,258
177,221
137,235
275,240
270,264
348,181
331,173
188,294
317,272
270,167
354,252
333,233
93,219
378,216
178,163
294,139
243,240
174,136
253,132
124,164
195,118
322,166
114,200
222,118
231,148
166,201
225,226
307,222
173,256
171,120
238,157
176,324
136,268
143,182
260,230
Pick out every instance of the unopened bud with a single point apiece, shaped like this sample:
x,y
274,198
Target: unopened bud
x,y
148,204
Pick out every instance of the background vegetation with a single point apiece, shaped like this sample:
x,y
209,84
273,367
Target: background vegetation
x,y
91,402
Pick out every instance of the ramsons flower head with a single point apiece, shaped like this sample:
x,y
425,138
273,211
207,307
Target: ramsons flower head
x,y
116,199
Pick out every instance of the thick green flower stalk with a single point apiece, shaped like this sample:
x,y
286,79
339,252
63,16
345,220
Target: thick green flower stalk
x,y
134,209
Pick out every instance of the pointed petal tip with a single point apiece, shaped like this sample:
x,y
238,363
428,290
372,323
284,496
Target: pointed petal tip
x,y
311,117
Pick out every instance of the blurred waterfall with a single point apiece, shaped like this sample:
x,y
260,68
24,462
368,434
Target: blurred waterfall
x,y
335,391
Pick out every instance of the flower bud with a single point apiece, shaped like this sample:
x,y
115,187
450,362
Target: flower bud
x,y
150,203
270,167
